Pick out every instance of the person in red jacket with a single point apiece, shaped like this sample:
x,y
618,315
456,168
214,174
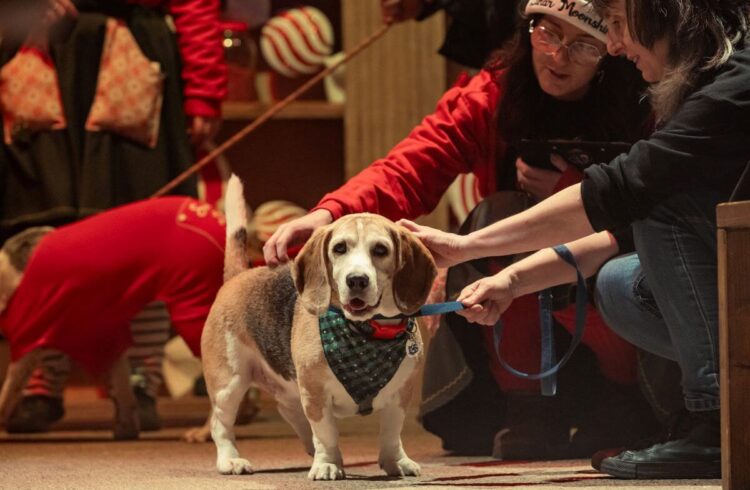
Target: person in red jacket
x,y
77,288
553,81
53,176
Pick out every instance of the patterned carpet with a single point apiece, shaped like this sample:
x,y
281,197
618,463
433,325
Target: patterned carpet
x,y
73,458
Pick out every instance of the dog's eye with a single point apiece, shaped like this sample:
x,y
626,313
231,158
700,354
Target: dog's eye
x,y
380,250
339,248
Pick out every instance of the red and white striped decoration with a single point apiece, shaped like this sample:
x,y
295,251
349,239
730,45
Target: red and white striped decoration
x,y
295,42
463,196
272,214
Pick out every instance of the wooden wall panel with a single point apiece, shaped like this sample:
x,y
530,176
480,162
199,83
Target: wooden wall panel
x,y
391,86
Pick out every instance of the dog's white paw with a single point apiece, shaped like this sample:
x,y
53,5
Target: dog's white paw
x,y
197,434
234,466
401,467
325,471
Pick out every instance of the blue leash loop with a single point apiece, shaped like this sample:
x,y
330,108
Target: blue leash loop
x,y
548,369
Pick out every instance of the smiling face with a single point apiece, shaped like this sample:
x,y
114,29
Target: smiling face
x,y
361,253
364,265
651,62
558,75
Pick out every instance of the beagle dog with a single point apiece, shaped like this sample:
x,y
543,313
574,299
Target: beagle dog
x,y
284,329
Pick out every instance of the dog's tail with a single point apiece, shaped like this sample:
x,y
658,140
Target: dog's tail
x,y
235,255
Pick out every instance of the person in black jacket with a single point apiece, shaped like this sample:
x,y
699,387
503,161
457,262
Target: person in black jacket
x,y
477,27
663,297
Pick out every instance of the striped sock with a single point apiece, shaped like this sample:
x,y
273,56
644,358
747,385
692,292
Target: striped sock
x,y
151,330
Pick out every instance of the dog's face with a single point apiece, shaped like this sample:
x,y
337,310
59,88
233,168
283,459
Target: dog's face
x,y
365,265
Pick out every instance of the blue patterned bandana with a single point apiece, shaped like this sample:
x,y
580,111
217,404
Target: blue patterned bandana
x,y
361,361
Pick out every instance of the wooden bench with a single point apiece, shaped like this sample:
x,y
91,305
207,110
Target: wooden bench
x,y
733,221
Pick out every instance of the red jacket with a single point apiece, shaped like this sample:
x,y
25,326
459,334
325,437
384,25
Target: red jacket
x,y
86,281
459,137
204,71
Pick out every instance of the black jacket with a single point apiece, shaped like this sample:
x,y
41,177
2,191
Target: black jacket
x,y
704,145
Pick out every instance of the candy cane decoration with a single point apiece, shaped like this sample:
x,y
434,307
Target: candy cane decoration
x,y
297,41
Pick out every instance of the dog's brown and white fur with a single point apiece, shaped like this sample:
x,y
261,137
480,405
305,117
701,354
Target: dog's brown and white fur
x,y
263,329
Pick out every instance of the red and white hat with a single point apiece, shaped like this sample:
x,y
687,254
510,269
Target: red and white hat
x,y
579,13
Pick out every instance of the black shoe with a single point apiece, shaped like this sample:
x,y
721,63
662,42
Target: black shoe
x,y
625,406
147,414
677,426
35,413
696,454
534,430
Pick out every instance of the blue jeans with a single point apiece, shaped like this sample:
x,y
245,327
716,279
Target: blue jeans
x,y
664,297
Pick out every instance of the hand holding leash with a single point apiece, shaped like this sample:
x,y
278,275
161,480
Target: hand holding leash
x,y
486,299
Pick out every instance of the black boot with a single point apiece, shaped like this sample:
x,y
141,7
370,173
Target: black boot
x,y
534,429
35,413
617,417
659,382
696,453
676,426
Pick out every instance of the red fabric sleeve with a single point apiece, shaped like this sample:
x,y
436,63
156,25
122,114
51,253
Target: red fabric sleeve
x,y
459,137
204,71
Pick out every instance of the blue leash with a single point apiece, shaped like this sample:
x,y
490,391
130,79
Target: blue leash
x,y
426,310
548,373
548,369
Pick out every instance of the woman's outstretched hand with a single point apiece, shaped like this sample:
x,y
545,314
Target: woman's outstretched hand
x,y
275,251
486,299
447,249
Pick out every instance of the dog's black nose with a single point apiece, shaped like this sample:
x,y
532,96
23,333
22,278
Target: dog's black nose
x,y
357,282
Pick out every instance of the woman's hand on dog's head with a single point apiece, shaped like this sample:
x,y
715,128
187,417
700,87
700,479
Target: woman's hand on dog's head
x,y
447,249
296,232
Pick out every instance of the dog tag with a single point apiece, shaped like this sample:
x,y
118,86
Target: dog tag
x,y
412,346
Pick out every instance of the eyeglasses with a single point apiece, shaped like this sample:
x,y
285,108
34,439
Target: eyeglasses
x,y
550,43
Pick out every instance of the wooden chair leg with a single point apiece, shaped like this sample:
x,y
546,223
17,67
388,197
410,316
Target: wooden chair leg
x,y
734,338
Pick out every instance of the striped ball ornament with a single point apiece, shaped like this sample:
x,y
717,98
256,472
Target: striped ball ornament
x,y
463,196
296,41
272,214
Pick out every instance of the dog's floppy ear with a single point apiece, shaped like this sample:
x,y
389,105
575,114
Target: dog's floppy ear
x,y
415,271
310,272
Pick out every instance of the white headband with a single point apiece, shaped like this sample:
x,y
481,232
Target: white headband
x,y
579,13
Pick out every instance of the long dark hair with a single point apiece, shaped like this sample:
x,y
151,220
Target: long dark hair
x,y
614,102
701,35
